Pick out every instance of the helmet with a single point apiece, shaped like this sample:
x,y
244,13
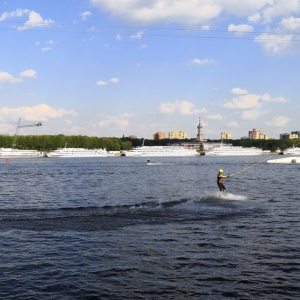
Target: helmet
x,y
221,171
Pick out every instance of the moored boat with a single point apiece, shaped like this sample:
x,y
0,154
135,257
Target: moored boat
x,y
16,153
160,151
292,151
227,150
78,152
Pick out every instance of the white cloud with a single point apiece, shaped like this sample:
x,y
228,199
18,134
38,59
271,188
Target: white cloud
x,y
240,29
187,12
35,20
119,122
280,8
252,114
5,77
196,12
180,107
114,80
238,91
279,121
232,124
255,18
119,37
41,112
46,49
137,36
85,15
277,43
101,83
28,74
73,128
204,61
215,117
205,13
250,101
290,23
17,13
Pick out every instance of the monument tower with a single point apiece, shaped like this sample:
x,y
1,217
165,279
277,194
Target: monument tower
x,y
200,137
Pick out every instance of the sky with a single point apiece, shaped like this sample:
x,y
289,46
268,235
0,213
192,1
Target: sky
x,y
135,67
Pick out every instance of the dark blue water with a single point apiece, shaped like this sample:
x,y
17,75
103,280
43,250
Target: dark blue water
x,y
115,228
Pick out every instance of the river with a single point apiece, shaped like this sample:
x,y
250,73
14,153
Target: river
x,y
117,228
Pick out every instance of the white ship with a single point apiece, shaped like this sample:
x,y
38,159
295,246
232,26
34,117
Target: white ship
x,y
16,153
233,151
292,151
160,151
78,152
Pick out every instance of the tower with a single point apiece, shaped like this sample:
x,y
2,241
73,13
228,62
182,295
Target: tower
x,y
199,135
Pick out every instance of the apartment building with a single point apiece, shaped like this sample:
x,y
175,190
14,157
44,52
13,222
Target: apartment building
x,y
225,136
257,135
180,135
159,136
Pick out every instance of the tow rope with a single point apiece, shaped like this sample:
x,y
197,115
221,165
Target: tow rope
x,y
243,170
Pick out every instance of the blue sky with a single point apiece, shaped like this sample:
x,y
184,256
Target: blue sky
x,y
134,67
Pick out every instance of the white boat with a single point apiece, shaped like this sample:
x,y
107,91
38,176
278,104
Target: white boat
x,y
78,152
160,151
226,150
292,151
285,160
16,153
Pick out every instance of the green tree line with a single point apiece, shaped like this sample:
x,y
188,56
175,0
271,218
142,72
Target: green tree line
x,y
51,142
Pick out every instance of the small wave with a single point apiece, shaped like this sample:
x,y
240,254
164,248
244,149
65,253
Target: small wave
x,y
223,196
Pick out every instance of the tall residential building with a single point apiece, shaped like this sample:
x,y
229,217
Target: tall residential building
x,y
179,135
254,134
159,136
225,136
257,135
199,134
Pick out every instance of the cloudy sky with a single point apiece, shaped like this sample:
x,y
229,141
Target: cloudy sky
x,y
134,67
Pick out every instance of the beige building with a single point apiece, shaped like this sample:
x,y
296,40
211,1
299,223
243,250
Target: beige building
x,y
292,135
263,136
180,135
257,135
225,136
159,136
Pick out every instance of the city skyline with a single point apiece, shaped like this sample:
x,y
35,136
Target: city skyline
x,y
112,68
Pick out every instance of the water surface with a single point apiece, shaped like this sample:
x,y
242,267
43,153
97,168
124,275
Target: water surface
x,y
117,228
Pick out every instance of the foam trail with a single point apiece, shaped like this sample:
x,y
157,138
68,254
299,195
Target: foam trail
x,y
225,196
